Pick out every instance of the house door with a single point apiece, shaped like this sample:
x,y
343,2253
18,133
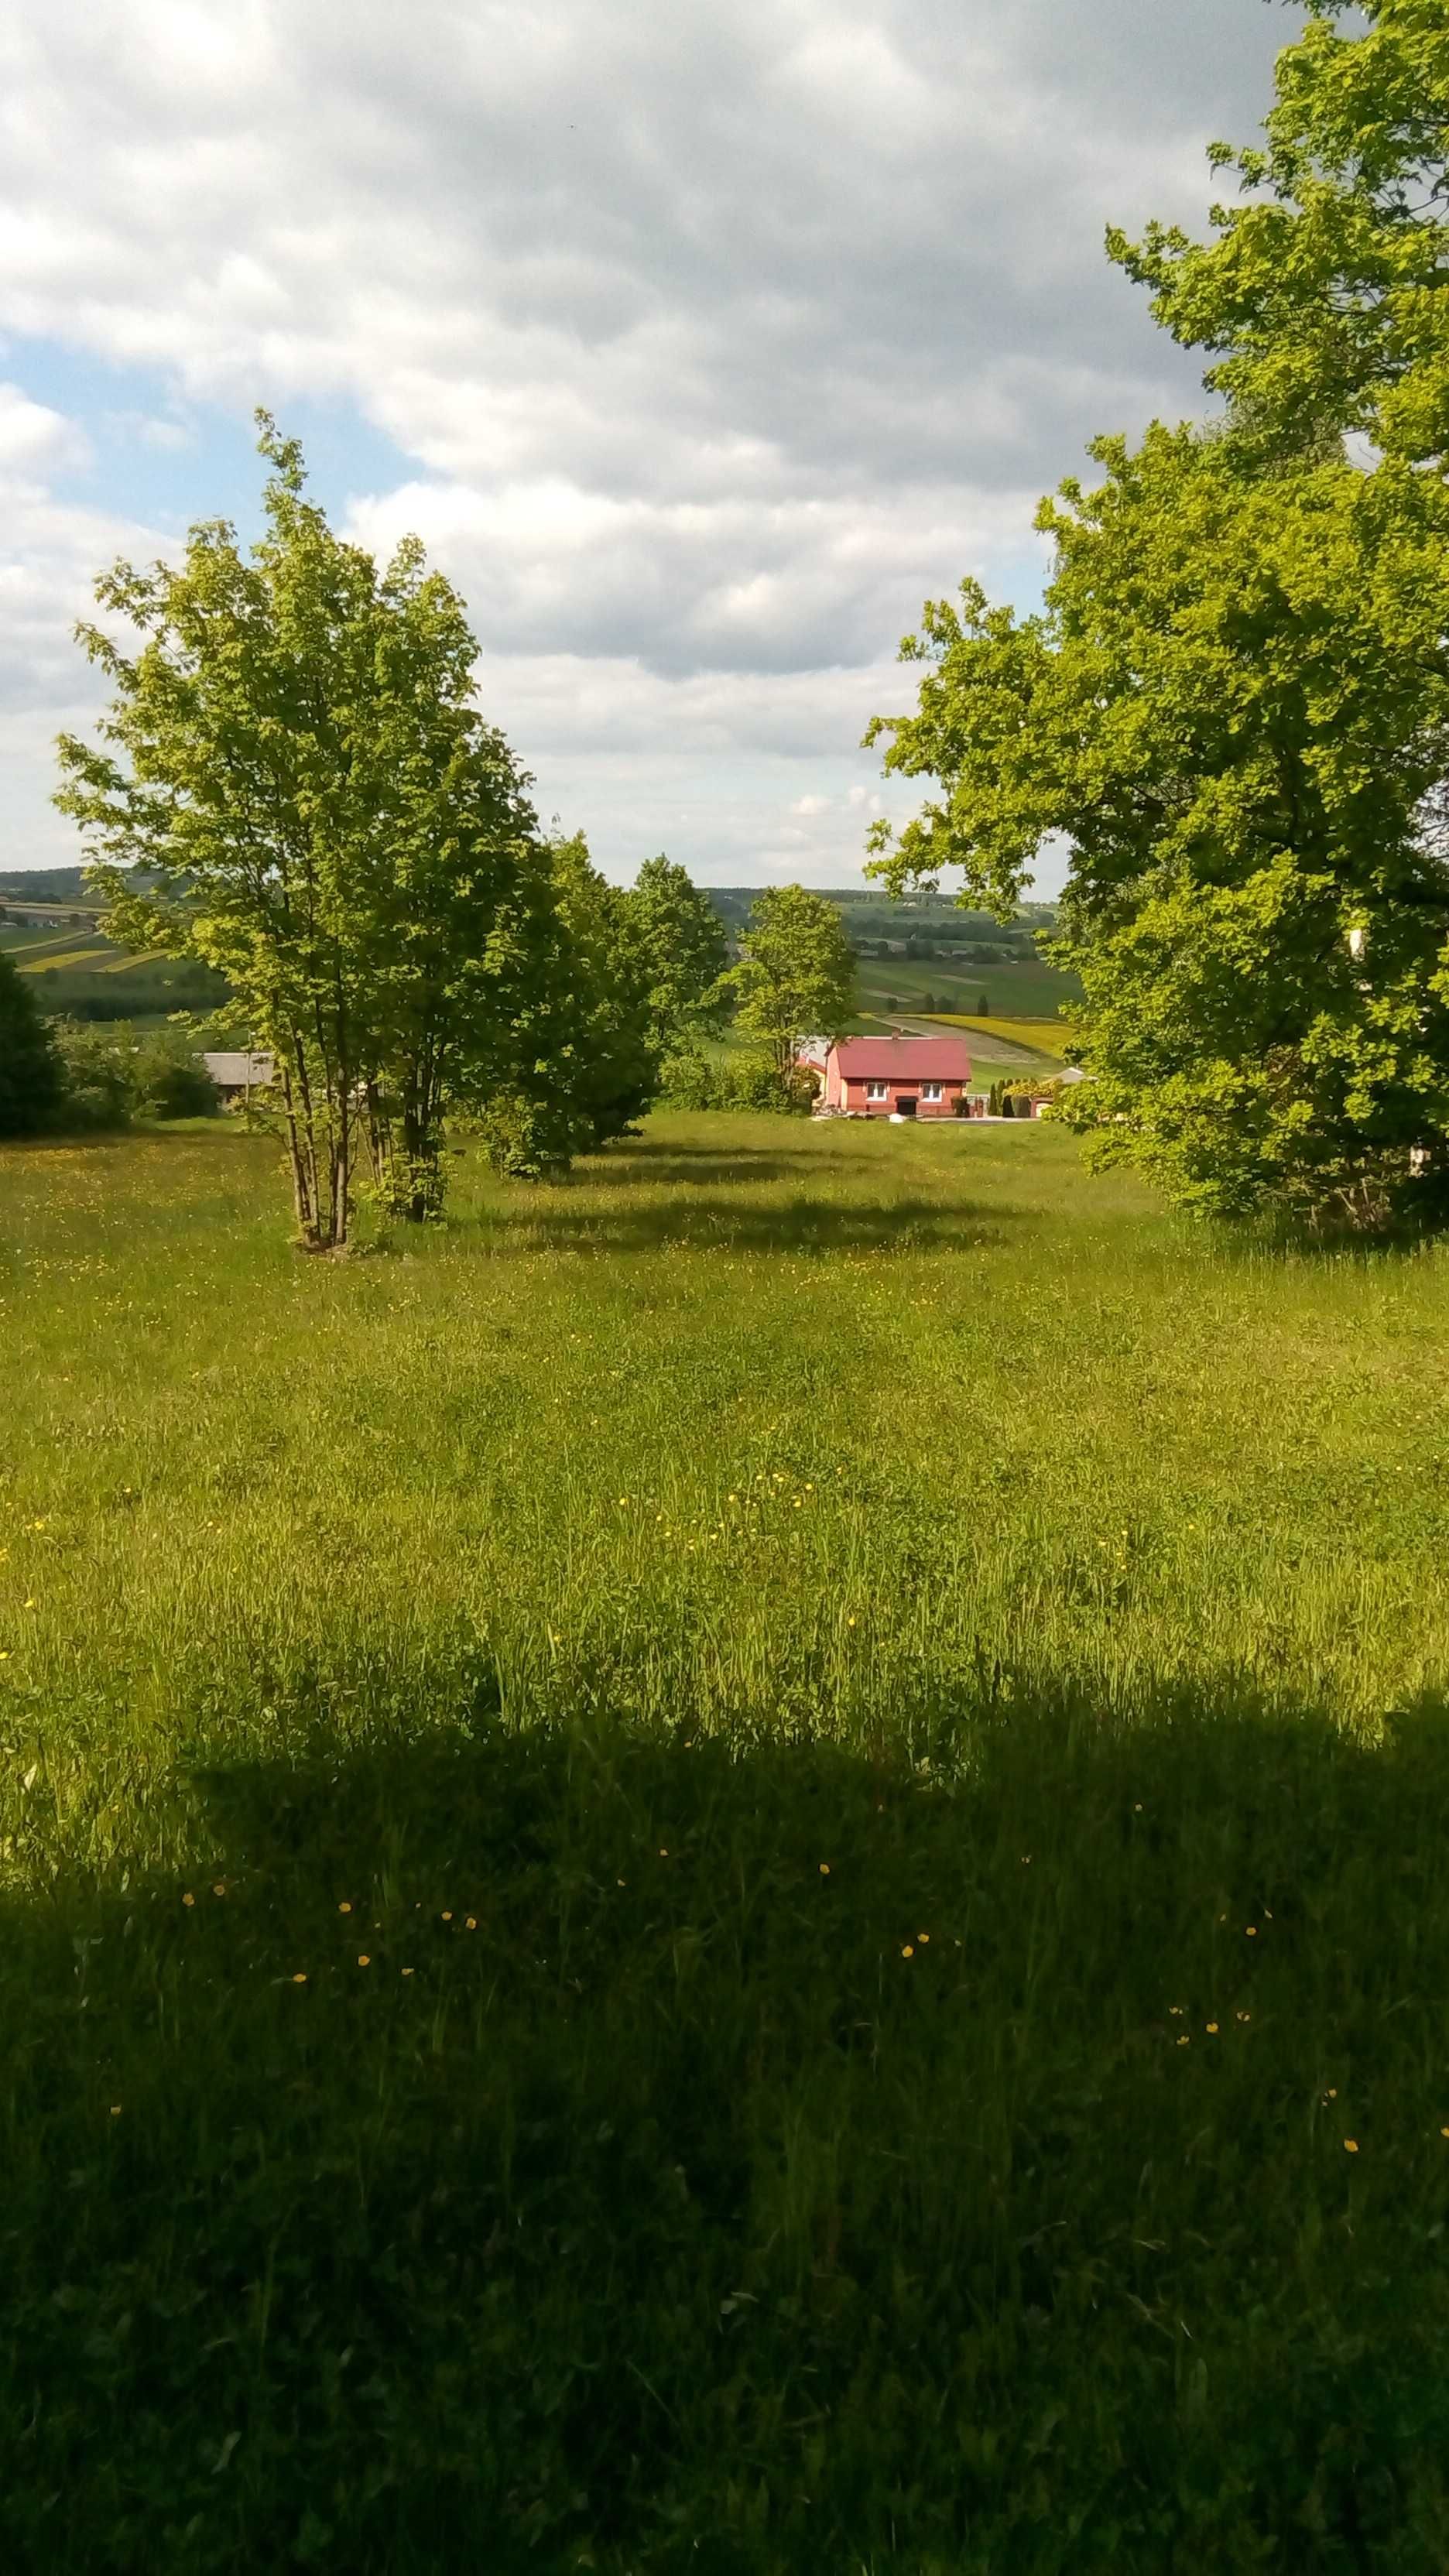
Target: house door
x,y
906,1104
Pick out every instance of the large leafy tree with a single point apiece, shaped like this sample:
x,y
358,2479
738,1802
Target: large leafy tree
x,y
292,784
795,977
30,1075
1234,708
684,941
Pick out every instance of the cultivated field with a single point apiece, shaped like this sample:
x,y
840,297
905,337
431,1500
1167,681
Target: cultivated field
x,y
739,1866
1025,988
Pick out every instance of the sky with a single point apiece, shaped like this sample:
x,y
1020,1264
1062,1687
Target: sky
x,y
700,345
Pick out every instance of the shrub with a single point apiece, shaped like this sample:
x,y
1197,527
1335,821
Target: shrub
x,y
749,1083
96,1075
168,1081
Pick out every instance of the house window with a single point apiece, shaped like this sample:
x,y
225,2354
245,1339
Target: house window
x,y
930,1091
877,1091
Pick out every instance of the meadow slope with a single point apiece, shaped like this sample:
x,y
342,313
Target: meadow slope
x,y
738,1865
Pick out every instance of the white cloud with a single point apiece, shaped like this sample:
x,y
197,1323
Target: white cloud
x,y
35,440
719,337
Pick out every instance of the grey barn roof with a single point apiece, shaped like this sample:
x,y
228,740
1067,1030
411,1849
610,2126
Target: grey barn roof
x,y
239,1072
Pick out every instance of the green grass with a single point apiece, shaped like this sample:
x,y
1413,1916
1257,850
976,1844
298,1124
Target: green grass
x,y
1030,989
633,1618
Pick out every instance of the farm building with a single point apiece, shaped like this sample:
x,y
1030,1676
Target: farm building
x,y
238,1076
895,1077
1046,1099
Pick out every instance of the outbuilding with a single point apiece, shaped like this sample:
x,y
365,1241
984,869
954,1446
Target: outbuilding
x,y
237,1076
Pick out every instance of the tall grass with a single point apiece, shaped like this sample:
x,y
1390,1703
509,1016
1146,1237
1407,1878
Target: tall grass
x,y
874,1710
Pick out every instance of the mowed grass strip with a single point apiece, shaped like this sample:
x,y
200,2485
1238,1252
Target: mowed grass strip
x,y
738,1865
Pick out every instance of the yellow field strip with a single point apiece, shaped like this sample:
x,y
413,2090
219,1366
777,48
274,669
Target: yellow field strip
x,y
69,957
1048,1037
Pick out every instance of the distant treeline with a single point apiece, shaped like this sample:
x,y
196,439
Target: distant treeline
x,y
141,993
60,886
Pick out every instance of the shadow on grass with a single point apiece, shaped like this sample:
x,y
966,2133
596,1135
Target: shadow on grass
x,y
626,1171
573,2148
802,1223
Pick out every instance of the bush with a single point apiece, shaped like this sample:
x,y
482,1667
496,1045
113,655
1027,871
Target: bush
x,y
688,1081
168,1080
97,1078
109,1079
747,1083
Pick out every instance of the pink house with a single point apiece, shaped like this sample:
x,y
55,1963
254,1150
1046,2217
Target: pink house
x,y
896,1077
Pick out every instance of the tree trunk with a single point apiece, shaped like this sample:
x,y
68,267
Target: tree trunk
x,y
302,1199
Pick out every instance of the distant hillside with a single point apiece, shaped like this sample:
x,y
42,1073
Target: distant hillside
x,y
60,886
925,953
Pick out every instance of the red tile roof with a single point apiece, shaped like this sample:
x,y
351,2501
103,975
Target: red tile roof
x,y
904,1059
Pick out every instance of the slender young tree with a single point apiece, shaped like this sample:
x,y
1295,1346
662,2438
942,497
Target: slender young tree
x,y
684,941
796,973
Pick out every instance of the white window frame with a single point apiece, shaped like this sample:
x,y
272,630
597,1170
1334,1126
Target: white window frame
x,y
931,1091
877,1091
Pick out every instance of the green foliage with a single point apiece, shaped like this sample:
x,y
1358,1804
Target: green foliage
x,y
168,1079
588,1060
684,941
1326,295
762,1497
292,785
1235,706
796,973
743,1082
110,1077
30,1082
97,1072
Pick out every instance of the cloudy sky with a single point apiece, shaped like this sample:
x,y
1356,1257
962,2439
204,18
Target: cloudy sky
x,y
700,343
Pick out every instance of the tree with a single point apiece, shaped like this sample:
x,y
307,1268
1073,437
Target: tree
x,y
1325,298
796,973
1235,709
683,939
30,1077
587,1063
293,785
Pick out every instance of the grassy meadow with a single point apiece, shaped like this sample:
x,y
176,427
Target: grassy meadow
x,y
736,1866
